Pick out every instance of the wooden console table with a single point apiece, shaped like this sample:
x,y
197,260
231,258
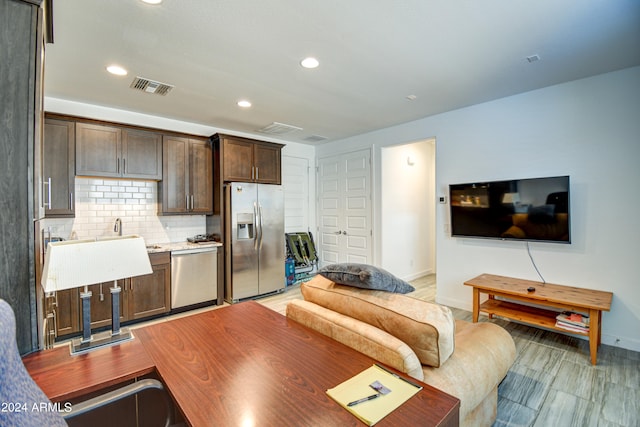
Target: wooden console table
x,y
565,298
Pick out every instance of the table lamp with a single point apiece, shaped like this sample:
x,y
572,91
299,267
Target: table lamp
x,y
76,263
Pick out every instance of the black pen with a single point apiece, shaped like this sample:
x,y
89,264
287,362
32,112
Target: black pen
x,y
364,399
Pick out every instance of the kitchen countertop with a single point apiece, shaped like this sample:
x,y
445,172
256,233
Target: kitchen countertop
x,y
167,247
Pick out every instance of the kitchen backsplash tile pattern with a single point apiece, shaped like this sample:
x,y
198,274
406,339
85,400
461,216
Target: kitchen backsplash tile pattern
x,y
100,201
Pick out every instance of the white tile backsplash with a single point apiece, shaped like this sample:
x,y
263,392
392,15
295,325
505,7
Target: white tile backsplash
x,y
100,201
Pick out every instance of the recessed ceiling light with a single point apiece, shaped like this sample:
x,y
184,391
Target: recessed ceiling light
x,y
309,62
244,103
152,1
117,70
412,97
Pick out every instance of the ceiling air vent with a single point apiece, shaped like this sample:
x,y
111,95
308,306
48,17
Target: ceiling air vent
x,y
315,138
150,86
276,128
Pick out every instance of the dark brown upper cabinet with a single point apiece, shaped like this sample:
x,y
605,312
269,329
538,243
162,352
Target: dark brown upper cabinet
x,y
247,160
58,168
187,184
115,152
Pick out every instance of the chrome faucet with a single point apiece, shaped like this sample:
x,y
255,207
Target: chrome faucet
x,y
118,226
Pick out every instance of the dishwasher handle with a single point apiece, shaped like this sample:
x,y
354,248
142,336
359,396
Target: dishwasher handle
x,y
180,252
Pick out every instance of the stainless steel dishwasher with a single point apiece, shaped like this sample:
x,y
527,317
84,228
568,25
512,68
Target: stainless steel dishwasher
x,y
194,276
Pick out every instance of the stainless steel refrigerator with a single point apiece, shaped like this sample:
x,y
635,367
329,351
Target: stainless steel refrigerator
x,y
255,231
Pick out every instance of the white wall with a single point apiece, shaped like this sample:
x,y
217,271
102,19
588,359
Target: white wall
x,y
408,209
588,129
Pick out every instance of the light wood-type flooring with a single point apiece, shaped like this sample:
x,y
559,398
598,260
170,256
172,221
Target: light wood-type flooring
x,y
552,382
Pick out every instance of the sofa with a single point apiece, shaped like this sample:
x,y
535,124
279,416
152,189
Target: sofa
x,y
422,339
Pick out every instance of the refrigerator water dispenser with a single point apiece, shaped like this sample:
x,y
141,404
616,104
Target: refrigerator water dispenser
x,y
245,229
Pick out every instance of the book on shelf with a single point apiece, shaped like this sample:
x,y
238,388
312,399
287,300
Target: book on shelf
x,y
576,319
571,327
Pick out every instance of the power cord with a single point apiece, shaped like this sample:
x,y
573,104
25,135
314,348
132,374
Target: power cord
x,y
534,263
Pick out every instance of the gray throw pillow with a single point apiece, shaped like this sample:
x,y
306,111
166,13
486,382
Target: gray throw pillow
x,y
366,277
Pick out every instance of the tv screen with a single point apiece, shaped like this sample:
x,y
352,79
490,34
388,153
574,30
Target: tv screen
x,y
533,209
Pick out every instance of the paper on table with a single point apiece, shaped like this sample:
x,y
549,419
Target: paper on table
x,y
357,387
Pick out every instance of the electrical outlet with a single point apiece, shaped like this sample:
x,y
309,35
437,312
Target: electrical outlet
x,y
442,200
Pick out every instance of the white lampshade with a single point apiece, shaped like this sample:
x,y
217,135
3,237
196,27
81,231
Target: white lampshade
x,y
74,263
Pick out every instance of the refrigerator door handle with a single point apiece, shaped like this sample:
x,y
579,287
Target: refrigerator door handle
x,y
260,222
256,234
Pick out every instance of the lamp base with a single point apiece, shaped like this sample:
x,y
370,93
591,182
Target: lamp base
x,y
104,339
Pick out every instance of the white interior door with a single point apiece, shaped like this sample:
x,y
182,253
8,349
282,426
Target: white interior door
x,y
344,208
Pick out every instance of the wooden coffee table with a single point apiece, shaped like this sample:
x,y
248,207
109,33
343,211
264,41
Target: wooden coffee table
x,y
509,289
248,365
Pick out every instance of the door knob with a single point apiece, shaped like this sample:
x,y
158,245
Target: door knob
x,y
344,232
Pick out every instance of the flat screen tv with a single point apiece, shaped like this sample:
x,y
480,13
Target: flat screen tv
x,y
532,209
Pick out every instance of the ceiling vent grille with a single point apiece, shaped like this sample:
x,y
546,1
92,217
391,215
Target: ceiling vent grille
x,y
316,138
150,86
276,128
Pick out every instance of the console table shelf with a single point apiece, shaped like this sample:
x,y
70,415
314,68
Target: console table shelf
x,y
524,313
558,297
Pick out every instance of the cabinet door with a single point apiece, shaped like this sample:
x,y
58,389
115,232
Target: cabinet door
x,y
200,177
266,160
237,162
141,154
58,165
101,304
174,174
150,294
67,312
98,150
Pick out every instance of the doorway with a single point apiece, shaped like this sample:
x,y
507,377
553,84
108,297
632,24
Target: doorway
x,y
408,209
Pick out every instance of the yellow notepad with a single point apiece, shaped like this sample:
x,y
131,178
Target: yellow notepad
x,y
358,387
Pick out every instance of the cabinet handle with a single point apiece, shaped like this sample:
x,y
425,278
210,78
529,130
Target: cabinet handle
x,y
118,165
186,201
71,201
192,202
124,166
48,184
257,173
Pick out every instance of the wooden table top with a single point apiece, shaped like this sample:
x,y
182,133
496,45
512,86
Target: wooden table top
x,y
578,297
248,363
238,365
63,377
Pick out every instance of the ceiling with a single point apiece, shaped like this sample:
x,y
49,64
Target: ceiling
x,y
373,55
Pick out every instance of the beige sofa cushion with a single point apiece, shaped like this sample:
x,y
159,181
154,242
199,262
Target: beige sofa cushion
x,y
428,329
367,339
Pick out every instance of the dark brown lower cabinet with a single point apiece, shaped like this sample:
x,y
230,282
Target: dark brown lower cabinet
x,y
140,297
